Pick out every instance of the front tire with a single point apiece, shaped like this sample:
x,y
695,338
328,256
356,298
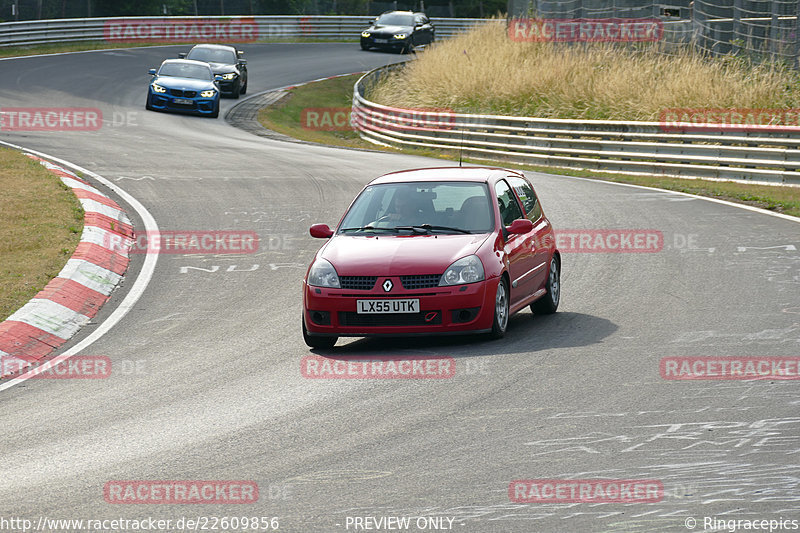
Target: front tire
x,y
501,309
317,342
244,88
548,304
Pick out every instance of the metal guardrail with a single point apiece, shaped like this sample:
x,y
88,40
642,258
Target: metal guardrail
x,y
767,156
272,27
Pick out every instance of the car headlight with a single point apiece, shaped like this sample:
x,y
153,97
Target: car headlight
x,y
365,34
158,88
208,94
229,76
399,35
466,270
322,274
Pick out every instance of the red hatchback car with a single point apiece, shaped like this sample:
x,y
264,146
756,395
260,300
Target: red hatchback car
x,y
435,250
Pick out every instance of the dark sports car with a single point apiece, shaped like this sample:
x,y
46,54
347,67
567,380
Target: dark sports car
x,y
185,86
398,30
225,61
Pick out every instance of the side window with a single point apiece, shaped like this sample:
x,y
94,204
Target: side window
x,y
509,208
529,200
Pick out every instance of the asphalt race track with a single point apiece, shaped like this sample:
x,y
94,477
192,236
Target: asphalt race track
x,y
207,382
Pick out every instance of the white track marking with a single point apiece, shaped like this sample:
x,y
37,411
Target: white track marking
x,y
707,199
136,291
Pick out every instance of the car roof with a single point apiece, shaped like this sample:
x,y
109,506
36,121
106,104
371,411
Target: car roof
x,y
402,13
477,174
215,46
186,61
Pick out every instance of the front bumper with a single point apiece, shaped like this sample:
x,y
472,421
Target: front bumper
x,y
384,42
198,105
229,86
458,309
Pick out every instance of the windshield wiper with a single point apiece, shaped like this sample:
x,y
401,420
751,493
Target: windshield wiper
x,y
367,228
443,228
421,230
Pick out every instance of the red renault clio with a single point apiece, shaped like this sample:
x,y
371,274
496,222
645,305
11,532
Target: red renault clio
x,y
435,250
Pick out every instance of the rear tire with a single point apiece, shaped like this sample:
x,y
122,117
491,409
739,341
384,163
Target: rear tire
x,y
548,304
501,308
317,342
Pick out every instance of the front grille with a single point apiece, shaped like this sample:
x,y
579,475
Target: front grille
x,y
349,318
358,283
421,281
185,94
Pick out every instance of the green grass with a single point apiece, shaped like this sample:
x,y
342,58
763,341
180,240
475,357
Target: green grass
x,y
329,95
17,51
41,221
284,117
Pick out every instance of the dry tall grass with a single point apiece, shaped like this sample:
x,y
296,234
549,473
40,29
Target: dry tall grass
x,y
484,71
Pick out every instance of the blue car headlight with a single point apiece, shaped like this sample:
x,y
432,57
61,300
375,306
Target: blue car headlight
x,y
466,270
208,94
158,88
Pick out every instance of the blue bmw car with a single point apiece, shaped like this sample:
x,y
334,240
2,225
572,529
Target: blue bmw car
x,y
186,86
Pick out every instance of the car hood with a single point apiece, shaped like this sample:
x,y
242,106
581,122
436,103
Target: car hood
x,y
191,84
390,29
223,68
393,255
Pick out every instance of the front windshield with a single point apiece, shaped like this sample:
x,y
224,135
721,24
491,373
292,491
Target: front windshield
x,y
461,207
185,70
393,19
212,55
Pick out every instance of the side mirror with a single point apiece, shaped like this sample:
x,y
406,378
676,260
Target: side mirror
x,y
321,231
182,55
239,53
152,72
519,226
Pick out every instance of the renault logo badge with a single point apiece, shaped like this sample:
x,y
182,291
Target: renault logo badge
x,y
387,285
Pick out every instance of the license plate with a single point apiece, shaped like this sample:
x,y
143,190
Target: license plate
x,y
183,101
381,40
376,307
